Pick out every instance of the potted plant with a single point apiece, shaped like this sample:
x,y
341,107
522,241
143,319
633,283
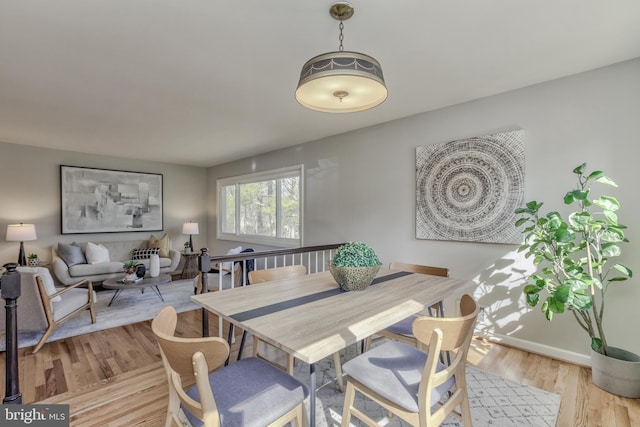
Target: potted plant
x,y
33,260
574,259
354,266
130,270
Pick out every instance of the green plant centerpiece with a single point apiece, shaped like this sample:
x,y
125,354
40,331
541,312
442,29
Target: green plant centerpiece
x,y
575,256
354,266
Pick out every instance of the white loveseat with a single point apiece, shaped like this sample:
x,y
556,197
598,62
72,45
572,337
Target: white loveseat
x,y
119,252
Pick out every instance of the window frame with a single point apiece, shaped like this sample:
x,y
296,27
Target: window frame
x,y
290,171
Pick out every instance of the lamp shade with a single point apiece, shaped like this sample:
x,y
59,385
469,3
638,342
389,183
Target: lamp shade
x,y
190,228
341,82
21,232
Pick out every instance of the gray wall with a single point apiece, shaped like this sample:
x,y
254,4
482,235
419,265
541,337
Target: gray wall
x,y
30,193
361,186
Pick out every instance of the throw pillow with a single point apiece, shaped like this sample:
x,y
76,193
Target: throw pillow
x,y
96,253
47,280
162,243
71,254
145,253
228,266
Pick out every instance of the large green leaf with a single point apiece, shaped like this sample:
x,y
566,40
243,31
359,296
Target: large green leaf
x,y
555,305
521,221
582,301
611,250
531,289
608,203
595,175
579,170
606,180
623,269
561,295
533,299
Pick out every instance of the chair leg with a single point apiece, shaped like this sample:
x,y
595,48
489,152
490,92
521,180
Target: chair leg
x,y
44,338
300,417
256,343
338,365
92,310
367,343
465,408
289,361
349,396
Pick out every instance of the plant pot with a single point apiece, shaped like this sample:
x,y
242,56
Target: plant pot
x,y
618,373
33,262
354,278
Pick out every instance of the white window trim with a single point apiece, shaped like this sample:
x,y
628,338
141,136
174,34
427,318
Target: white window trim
x,y
253,177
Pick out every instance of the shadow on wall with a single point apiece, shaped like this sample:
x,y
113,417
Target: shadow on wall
x,y
499,292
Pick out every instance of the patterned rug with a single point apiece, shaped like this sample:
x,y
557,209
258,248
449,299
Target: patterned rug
x,y
131,306
494,401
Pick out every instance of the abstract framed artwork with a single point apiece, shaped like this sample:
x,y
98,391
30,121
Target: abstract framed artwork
x,y
467,190
109,201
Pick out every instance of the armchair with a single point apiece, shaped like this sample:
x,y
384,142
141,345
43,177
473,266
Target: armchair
x,y
42,306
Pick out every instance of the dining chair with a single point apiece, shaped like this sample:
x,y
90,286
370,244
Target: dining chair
x,y
249,392
401,331
271,274
43,306
414,384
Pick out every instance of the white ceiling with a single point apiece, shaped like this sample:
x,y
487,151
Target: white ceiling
x,y
203,82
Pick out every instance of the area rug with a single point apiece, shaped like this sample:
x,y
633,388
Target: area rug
x,y
131,306
494,401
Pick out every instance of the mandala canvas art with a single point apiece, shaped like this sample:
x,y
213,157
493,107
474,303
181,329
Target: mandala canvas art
x,y
467,190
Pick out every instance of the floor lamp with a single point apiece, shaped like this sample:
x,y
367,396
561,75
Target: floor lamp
x,y
21,233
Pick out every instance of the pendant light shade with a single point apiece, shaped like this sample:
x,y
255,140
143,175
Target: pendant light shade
x,y
341,81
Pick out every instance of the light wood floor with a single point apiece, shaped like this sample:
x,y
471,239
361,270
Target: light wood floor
x,y
115,378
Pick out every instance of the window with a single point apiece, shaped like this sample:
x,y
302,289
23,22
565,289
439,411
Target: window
x,y
262,207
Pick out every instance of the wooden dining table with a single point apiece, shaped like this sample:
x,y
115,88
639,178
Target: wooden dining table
x,y
311,318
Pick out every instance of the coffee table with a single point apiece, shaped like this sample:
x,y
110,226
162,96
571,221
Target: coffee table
x,y
147,282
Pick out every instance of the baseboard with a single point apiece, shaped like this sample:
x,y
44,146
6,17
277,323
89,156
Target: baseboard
x,y
544,350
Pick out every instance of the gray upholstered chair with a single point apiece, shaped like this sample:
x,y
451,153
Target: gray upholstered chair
x,y
401,331
249,392
410,383
43,307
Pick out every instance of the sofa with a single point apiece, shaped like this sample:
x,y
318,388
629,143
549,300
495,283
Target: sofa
x,y
111,266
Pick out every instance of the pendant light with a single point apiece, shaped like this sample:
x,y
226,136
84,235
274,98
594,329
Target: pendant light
x,y
341,81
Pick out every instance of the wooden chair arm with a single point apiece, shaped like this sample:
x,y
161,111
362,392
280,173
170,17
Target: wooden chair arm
x,y
75,285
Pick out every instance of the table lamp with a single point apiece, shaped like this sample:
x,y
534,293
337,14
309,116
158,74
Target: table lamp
x,y
21,233
190,228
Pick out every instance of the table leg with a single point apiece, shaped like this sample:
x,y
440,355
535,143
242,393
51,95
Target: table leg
x,y
312,395
114,297
157,291
244,337
229,341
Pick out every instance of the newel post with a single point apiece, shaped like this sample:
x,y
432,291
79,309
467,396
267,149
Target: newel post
x,y
204,265
10,291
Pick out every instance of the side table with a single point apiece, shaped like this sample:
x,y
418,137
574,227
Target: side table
x,y
190,269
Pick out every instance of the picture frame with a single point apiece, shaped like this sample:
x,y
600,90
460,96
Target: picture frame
x,y
467,190
110,201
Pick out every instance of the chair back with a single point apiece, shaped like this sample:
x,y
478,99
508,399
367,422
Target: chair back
x,y
270,274
455,330
186,360
421,269
179,351
452,334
